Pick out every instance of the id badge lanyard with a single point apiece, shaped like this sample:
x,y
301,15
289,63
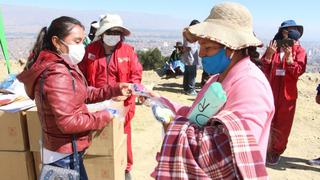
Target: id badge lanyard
x,y
281,71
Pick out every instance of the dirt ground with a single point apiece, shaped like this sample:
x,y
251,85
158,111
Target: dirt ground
x,y
304,141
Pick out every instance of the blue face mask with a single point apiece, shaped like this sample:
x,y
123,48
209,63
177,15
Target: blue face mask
x,y
294,34
216,63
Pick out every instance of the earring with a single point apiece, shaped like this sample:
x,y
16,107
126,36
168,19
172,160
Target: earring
x,y
59,51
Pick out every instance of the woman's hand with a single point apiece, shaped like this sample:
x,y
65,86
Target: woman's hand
x,y
153,94
272,48
126,89
288,54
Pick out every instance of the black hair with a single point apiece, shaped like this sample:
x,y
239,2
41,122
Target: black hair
x,y
194,22
253,54
59,27
92,31
279,35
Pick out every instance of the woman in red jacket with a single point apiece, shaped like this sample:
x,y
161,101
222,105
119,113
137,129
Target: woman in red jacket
x,y
283,63
108,60
53,79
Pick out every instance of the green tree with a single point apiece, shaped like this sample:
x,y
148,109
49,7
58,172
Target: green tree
x,y
152,59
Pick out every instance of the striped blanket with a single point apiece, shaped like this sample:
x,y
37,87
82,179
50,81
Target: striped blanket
x,y
224,149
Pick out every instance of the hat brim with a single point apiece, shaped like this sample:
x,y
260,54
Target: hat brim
x,y
233,38
299,27
102,29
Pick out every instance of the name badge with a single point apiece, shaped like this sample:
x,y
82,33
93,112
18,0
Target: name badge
x,y
280,72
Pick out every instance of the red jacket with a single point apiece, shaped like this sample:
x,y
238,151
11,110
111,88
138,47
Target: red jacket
x,y
123,66
292,71
62,110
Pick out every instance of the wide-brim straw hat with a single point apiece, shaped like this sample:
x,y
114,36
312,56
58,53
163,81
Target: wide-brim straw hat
x,y
111,21
229,24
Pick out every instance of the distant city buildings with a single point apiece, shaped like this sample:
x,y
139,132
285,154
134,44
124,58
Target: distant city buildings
x,y
144,40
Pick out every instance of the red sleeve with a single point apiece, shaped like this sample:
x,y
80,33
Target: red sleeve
x,y
135,75
65,104
104,93
298,67
266,66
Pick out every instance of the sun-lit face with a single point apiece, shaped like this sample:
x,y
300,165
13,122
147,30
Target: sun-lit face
x,y
208,47
76,36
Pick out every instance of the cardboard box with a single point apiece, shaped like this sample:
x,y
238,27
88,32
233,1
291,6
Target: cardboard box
x,y
108,167
37,163
13,131
16,165
105,142
34,129
99,167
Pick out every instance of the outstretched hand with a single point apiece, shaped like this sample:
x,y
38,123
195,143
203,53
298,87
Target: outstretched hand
x,y
126,89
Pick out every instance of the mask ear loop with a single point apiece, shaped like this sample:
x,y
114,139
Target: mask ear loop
x,y
231,56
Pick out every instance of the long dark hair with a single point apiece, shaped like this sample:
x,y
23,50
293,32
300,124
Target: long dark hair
x,y
59,27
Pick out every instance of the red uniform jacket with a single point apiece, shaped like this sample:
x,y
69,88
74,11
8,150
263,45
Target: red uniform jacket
x,y
62,109
123,66
288,83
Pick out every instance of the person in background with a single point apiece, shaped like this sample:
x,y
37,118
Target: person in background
x,y
212,151
93,28
190,58
176,53
109,60
204,78
174,67
51,77
283,63
316,162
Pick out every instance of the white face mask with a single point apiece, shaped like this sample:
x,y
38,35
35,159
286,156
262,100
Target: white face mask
x,y
111,40
76,53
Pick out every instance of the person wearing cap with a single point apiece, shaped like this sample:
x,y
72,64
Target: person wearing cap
x,y
233,144
190,58
176,53
282,66
93,29
109,60
174,66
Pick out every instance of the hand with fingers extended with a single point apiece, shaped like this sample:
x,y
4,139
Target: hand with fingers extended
x,y
272,48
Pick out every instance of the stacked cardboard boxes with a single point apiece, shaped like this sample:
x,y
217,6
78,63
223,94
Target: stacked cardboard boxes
x,y
16,161
106,158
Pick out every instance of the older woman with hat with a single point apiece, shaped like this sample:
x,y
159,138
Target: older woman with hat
x,y
283,63
109,60
233,144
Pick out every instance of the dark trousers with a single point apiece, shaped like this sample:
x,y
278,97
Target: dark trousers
x,y
67,163
204,78
189,78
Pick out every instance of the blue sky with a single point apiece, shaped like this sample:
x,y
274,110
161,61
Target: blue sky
x,y
266,14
